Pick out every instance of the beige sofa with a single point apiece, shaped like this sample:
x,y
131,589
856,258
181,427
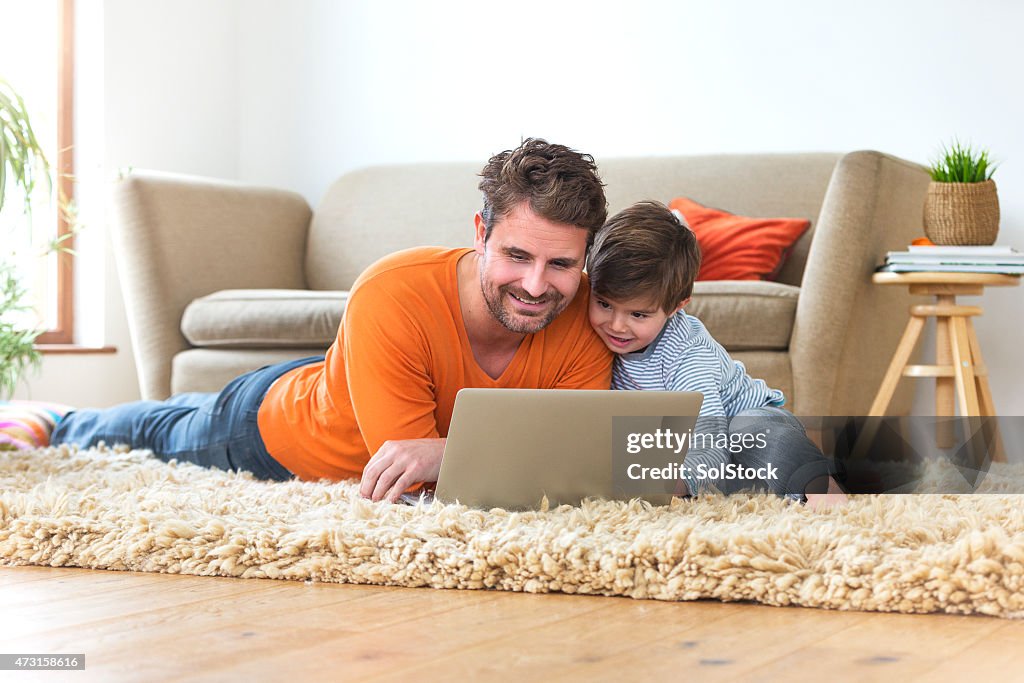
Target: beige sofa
x,y
221,278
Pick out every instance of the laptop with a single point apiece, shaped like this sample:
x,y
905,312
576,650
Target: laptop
x,y
511,448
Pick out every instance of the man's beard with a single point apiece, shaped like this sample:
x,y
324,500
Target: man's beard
x,y
519,321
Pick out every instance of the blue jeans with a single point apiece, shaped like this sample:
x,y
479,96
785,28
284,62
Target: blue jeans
x,y
213,430
770,446
798,460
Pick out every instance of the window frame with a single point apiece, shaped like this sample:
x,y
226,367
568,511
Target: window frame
x,y
64,332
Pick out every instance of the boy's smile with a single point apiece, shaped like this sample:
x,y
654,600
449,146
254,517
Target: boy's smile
x,y
626,326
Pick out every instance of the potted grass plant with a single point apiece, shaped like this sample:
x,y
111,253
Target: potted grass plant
x,y
962,206
23,164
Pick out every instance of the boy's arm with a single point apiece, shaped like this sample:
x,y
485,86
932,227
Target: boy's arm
x,y
742,392
738,391
699,369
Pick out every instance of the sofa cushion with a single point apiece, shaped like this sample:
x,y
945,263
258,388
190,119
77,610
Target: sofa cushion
x,y
264,318
741,315
746,315
28,424
739,247
210,369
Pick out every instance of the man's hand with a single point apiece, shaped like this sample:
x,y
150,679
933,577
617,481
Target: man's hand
x,y
399,465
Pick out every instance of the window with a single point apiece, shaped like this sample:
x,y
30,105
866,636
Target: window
x,y
36,58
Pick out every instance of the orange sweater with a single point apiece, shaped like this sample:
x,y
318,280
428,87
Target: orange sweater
x,y
400,357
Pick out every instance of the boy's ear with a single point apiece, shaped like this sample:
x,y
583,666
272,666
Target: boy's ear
x,y
682,304
480,232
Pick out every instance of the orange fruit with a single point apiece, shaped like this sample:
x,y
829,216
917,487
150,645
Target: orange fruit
x,y
923,242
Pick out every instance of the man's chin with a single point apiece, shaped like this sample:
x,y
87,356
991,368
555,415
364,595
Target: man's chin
x,y
527,323
523,325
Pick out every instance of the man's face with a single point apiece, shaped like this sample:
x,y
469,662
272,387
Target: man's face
x,y
530,268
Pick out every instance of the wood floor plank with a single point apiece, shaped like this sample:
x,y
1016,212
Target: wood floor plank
x,y
997,655
885,647
82,598
187,597
586,647
157,627
79,581
100,580
143,616
482,616
233,626
174,643
720,649
534,652
10,575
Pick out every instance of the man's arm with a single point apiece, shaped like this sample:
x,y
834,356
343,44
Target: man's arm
x,y
387,372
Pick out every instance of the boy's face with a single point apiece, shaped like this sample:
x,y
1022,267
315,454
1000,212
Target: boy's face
x,y
627,325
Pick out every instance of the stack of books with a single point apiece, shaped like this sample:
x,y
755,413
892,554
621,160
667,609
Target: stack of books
x,y
954,260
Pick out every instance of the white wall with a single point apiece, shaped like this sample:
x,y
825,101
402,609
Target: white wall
x,y
156,87
293,93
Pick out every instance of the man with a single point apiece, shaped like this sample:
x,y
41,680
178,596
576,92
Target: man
x,y
419,325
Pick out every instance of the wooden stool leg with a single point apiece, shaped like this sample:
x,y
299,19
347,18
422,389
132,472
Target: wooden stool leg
x,y
895,371
963,369
945,387
988,407
984,388
967,394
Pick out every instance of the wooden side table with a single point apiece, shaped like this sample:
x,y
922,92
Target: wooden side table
x,y
961,378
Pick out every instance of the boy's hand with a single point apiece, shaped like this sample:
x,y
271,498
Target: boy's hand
x,y
399,465
833,497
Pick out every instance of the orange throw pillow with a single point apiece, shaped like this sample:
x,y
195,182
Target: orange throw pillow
x,y
738,247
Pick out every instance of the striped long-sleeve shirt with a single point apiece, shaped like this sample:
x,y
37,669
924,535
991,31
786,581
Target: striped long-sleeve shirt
x,y
685,357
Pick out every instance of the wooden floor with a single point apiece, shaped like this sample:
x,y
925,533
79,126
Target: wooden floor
x,y
155,627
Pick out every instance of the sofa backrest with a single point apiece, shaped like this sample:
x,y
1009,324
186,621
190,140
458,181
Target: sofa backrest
x,y
768,185
372,212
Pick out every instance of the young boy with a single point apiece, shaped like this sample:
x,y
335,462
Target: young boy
x,y
642,267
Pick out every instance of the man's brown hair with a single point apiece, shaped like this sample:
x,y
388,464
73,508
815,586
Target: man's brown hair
x,y
561,184
645,251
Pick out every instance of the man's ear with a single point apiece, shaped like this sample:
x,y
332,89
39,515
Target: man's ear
x,y
481,232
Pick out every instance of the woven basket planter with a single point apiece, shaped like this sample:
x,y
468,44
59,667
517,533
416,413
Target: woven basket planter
x,y
962,213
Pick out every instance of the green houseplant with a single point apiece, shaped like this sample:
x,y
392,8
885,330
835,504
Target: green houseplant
x,y
962,206
23,164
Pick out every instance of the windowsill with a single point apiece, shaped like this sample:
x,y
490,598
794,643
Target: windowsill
x,y
46,349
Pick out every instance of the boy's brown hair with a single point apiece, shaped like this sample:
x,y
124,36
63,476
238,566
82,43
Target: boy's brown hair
x,y
645,251
561,184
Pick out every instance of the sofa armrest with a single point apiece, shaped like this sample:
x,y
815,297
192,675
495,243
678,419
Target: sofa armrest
x,y
177,238
846,328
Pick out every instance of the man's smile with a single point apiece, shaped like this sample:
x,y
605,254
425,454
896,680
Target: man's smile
x,y
530,302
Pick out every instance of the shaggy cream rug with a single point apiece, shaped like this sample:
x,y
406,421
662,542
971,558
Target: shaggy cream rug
x,y
122,510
